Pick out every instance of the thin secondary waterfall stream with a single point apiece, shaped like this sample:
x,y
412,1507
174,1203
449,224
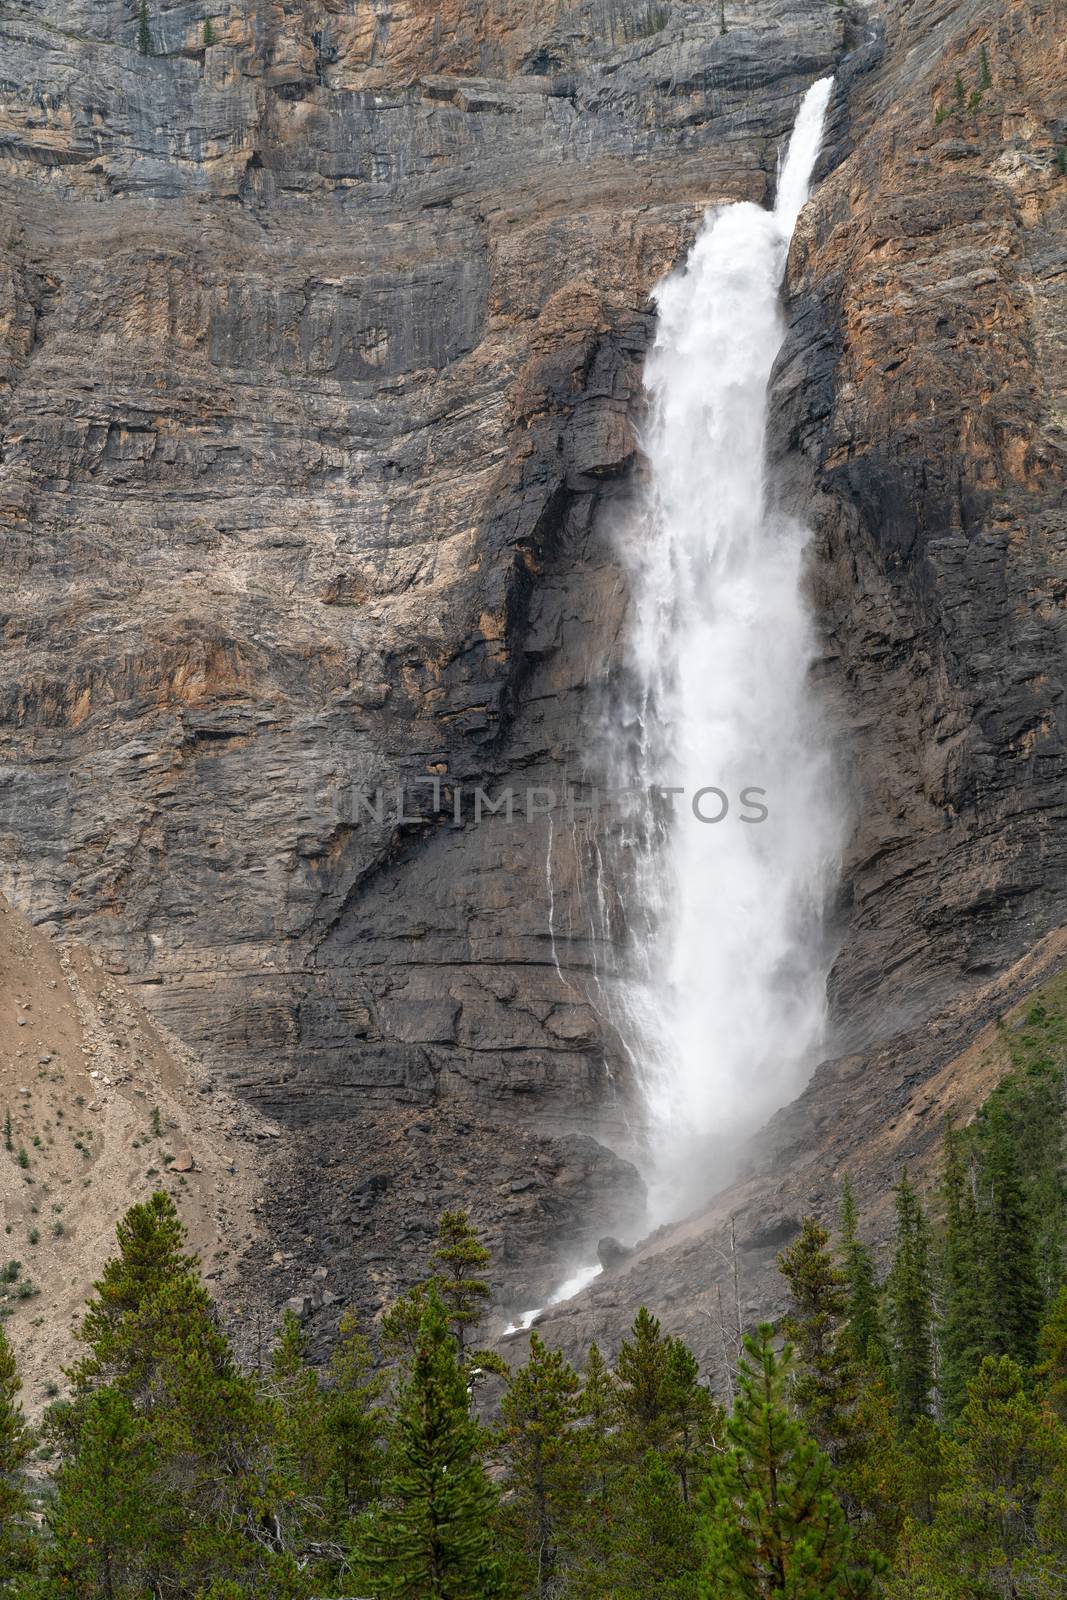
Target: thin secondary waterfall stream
x,y
725,1008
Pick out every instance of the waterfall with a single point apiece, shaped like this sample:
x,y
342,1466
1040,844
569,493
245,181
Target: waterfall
x,y
725,1009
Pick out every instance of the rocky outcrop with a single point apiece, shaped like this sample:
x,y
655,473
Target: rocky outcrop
x,y
320,348
321,354
919,423
922,390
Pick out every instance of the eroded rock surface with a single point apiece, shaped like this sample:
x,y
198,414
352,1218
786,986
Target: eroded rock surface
x,y
320,352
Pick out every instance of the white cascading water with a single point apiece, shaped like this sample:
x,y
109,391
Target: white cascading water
x,y
726,1009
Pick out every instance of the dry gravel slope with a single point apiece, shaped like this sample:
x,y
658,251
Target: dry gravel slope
x,y
83,1071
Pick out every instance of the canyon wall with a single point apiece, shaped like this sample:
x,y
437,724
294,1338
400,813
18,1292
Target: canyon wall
x,y
320,353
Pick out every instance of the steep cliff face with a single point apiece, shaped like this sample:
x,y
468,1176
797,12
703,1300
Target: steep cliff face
x,y
924,382
920,425
321,349
321,353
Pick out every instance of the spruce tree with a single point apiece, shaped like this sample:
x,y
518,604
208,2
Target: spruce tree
x,y
1014,1298
458,1265
825,1383
15,1443
545,1465
772,1526
963,1328
865,1330
911,1308
433,1537
144,36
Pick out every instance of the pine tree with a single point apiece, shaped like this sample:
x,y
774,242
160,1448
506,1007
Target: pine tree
x,y
1052,1349
151,1240
912,1307
401,1323
963,1330
458,1265
695,1420
642,1388
597,1409
660,1403
160,1376
546,1465
865,1330
1014,1299
15,1442
432,1539
772,1525
826,1384
144,36
300,1446
113,1528
354,1420
647,1549
995,1532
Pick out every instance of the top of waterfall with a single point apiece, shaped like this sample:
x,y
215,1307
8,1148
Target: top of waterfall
x,y
795,180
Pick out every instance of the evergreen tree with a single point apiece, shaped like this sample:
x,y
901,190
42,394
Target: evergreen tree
x,y
197,1436
963,1329
865,1330
114,1530
695,1420
144,36
1052,1349
354,1420
151,1240
773,1527
660,1403
825,1382
546,1465
995,1532
458,1265
598,1410
401,1324
432,1539
641,1387
911,1307
646,1548
300,1446
1014,1297
15,1442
